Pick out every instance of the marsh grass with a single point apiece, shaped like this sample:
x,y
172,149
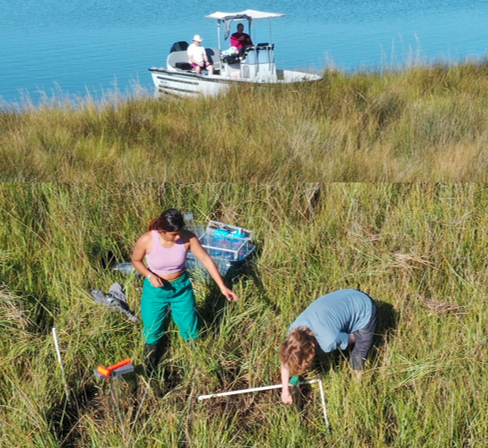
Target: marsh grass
x,y
417,123
418,249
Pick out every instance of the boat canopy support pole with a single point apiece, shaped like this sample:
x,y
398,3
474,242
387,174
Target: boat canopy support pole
x,y
218,31
270,33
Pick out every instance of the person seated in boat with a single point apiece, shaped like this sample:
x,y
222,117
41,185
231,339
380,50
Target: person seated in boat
x,y
240,39
198,57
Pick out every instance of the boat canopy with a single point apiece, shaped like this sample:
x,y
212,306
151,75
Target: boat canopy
x,y
248,14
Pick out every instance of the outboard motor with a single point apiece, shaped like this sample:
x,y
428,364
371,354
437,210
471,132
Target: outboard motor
x,y
179,46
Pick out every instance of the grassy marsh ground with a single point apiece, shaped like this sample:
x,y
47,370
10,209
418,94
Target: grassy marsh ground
x,y
423,123
419,249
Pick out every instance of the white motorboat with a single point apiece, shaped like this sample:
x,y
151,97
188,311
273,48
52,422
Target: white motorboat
x,y
254,64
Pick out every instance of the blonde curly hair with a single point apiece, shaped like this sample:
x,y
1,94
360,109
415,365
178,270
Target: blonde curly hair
x,y
298,351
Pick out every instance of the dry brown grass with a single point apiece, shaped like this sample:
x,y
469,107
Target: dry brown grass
x,y
418,124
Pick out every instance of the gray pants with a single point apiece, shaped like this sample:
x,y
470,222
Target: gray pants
x,y
364,341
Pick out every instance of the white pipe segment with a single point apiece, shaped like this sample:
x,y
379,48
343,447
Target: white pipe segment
x,y
254,389
58,352
276,386
323,402
242,391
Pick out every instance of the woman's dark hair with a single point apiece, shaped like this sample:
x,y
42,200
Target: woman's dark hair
x,y
170,220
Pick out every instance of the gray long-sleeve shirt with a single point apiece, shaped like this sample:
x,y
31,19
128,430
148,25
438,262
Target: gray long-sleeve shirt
x,y
333,317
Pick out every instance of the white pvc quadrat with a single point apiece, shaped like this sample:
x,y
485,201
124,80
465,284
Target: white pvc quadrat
x,y
277,386
58,352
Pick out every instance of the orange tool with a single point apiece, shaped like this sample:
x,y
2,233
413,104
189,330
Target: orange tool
x,y
107,371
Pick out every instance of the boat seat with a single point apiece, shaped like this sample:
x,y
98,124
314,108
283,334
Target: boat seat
x,y
177,60
183,66
214,57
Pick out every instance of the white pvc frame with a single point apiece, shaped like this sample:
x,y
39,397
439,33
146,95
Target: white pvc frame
x,y
58,352
277,386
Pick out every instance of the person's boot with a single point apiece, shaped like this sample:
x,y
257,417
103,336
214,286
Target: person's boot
x,y
151,358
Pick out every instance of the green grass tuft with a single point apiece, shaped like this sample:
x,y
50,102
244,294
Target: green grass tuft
x,y
418,249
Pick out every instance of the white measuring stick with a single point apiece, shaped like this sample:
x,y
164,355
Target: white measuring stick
x,y
321,386
58,352
254,389
242,391
277,386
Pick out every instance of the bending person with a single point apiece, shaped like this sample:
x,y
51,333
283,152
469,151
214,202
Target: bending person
x,y
198,56
167,284
240,39
336,320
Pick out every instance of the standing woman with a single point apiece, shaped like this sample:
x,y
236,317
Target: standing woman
x,y
167,284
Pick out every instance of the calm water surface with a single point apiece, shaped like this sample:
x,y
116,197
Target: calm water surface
x,y
79,47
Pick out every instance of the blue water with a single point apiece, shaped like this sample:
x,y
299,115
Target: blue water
x,y
86,47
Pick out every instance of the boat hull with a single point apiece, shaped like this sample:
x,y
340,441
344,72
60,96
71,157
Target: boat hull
x,y
187,84
180,83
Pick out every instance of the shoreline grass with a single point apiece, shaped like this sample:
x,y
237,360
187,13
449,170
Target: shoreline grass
x,y
418,249
420,123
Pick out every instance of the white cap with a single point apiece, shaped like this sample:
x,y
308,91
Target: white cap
x,y
197,37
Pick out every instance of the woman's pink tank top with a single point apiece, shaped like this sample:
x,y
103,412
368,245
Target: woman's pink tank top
x,y
164,261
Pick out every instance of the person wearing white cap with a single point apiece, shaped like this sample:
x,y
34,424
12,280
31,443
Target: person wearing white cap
x,y
198,57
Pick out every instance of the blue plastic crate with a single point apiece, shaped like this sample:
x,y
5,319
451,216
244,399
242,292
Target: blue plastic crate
x,y
228,246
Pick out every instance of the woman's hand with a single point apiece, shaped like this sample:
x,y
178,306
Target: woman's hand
x,y
229,294
286,396
155,281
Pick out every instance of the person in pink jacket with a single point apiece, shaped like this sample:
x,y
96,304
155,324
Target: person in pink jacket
x,y
240,39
